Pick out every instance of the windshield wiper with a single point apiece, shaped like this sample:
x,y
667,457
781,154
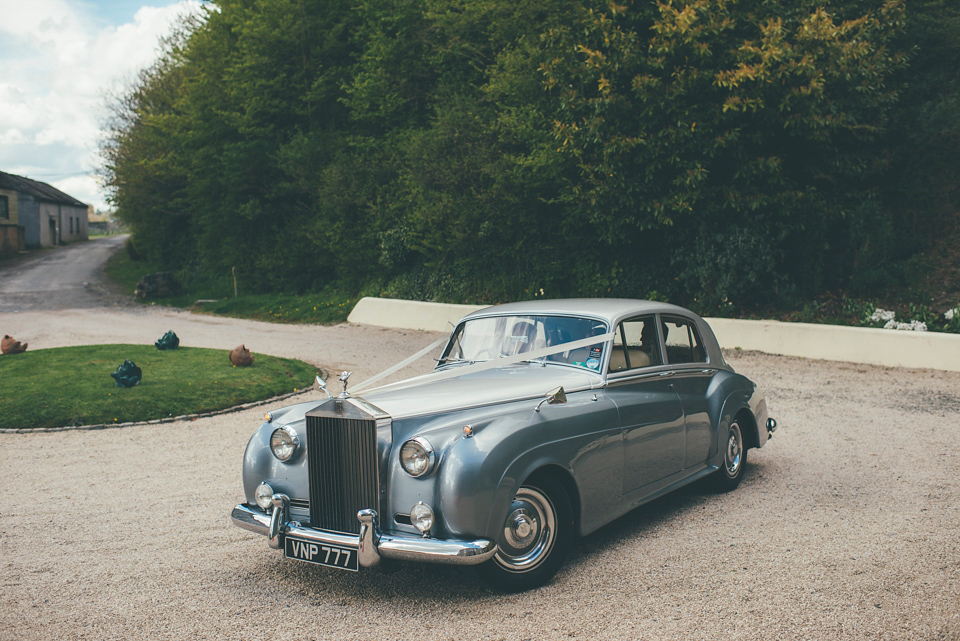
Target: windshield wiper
x,y
539,361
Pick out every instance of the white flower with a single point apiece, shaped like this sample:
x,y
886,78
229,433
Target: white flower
x,y
951,313
882,316
914,326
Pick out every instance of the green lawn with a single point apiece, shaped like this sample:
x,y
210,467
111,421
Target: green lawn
x,y
73,386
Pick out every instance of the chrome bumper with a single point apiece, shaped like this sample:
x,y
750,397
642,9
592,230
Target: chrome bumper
x,y
371,545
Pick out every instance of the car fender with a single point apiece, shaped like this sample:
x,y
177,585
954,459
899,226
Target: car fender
x,y
481,475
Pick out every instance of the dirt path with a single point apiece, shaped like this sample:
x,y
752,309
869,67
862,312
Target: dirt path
x,y
57,278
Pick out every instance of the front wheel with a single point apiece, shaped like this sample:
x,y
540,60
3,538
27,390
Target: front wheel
x,y
730,474
534,539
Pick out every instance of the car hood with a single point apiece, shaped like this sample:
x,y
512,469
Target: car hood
x,y
422,396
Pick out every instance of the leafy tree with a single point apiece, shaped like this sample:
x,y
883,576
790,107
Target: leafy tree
x,y
719,153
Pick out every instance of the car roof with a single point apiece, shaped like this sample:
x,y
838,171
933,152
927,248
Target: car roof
x,y
610,309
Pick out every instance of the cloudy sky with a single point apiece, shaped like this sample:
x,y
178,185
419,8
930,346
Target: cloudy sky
x,y
59,62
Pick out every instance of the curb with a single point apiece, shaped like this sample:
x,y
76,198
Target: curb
x,y
409,314
158,421
867,345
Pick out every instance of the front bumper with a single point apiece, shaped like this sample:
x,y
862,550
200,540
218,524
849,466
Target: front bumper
x,y
371,545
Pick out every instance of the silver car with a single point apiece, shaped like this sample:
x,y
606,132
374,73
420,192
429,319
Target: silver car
x,y
542,421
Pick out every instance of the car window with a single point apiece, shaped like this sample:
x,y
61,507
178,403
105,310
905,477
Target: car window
x,y
682,341
636,345
507,336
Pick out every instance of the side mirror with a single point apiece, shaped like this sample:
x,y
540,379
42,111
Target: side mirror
x,y
322,386
556,396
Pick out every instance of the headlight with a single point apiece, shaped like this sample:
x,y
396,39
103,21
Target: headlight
x,y
416,456
264,496
421,515
285,443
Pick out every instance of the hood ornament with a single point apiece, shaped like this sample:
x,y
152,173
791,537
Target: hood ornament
x,y
343,379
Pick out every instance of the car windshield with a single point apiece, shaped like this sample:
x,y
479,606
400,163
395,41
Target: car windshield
x,y
483,339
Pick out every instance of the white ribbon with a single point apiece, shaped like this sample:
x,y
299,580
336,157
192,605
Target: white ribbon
x,y
387,372
477,367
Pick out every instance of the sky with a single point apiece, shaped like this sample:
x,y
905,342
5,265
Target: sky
x,y
60,61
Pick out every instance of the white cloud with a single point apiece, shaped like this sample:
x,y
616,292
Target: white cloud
x,y
57,65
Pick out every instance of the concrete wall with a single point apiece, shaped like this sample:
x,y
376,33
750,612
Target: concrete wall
x,y
73,223
888,347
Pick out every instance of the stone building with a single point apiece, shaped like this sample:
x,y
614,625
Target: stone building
x,y
44,215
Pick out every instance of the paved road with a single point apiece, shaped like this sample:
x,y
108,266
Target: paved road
x,y
69,277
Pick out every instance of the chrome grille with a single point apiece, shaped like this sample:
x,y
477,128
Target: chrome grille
x,y
342,469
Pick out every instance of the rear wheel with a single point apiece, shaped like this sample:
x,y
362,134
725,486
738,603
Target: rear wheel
x,y
534,539
730,474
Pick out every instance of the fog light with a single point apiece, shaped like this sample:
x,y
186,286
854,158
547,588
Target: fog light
x,y
264,496
422,517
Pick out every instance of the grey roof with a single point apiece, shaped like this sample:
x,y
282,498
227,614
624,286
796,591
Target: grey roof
x,y
610,309
37,189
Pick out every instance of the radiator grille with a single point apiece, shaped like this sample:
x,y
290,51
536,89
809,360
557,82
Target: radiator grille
x,y
342,468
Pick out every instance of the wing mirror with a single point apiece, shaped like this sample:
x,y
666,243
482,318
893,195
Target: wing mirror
x,y
322,386
555,396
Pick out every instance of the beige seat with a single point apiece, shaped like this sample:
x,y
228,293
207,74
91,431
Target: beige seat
x,y
638,358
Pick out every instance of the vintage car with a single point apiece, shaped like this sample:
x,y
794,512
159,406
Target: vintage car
x,y
542,421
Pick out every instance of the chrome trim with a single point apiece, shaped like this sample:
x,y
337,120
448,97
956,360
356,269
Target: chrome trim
x,y
278,519
343,465
369,538
771,425
371,545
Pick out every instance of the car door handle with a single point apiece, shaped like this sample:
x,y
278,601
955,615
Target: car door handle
x,y
709,372
666,374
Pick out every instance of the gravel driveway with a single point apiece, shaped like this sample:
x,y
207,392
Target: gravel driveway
x,y
845,527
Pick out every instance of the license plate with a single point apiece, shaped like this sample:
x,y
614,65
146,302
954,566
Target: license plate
x,y
332,556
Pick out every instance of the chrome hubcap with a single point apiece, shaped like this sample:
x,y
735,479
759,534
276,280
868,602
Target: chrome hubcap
x,y
521,528
734,454
528,533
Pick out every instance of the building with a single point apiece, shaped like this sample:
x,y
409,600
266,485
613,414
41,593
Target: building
x,y
45,215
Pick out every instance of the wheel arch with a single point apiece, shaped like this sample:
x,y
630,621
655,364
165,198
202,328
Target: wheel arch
x,y
748,427
565,478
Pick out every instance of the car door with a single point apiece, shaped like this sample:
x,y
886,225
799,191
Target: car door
x,y
691,381
650,411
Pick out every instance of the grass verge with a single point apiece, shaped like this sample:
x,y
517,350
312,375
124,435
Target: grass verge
x,y
326,307
73,386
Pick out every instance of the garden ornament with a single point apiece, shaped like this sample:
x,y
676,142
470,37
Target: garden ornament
x,y
128,374
9,345
168,341
240,356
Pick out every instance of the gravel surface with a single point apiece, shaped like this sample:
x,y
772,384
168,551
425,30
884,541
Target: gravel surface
x,y
845,526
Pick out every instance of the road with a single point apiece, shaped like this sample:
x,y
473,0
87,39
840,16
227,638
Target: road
x,y
69,277
845,527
